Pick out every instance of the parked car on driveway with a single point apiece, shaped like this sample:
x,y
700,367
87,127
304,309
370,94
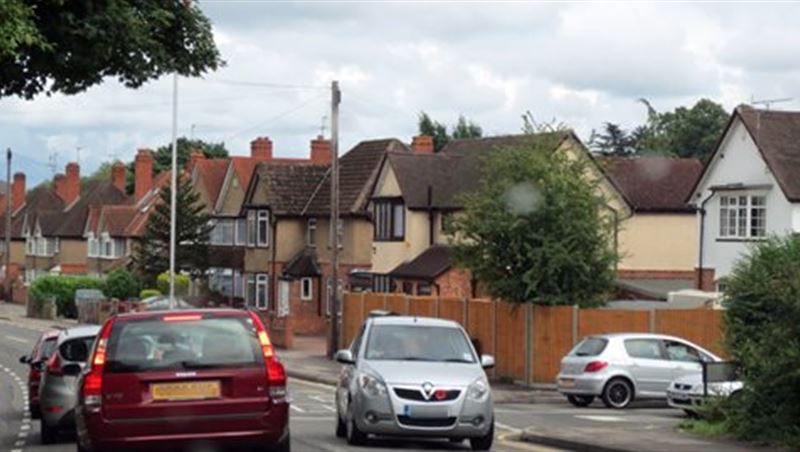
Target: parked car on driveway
x,y
414,376
619,368
690,391
57,390
42,350
187,379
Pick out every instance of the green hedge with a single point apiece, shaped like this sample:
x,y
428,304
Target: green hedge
x,y
147,293
181,283
121,284
63,289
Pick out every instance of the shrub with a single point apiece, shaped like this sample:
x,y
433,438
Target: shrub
x,y
762,318
181,283
63,289
147,293
121,284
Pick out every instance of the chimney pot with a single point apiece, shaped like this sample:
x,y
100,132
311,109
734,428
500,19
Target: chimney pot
x,y
321,150
118,175
70,186
18,191
194,156
422,144
143,173
261,148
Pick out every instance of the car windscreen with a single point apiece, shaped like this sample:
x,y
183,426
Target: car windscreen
x,y
46,349
76,350
158,345
591,346
418,343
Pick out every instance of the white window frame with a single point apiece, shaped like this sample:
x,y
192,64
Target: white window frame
x,y
736,216
306,292
92,245
240,236
311,232
262,288
251,228
262,217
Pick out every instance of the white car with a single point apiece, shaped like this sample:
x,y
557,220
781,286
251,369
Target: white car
x,y
687,392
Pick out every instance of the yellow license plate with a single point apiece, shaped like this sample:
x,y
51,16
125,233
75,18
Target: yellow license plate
x,y
185,391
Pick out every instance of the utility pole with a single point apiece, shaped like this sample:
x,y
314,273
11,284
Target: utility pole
x,y
336,97
173,192
6,280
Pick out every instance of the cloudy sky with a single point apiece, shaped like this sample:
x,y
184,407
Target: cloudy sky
x,y
582,64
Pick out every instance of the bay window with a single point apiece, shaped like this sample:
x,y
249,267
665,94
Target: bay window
x,y
742,216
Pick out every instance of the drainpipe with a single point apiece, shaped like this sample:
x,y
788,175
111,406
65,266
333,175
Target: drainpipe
x,y
430,216
273,255
702,210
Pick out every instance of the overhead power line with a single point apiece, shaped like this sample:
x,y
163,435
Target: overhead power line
x,y
275,118
265,84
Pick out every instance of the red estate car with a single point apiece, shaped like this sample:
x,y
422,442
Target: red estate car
x,y
42,350
191,379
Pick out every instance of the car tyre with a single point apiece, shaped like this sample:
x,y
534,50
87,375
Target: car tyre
x,y
580,401
36,412
618,393
483,442
341,427
285,445
355,437
48,434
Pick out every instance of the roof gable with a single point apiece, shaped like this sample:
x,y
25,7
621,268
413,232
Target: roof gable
x,y
653,183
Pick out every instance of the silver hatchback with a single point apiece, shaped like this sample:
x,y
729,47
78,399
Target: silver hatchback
x,y
619,368
414,376
57,391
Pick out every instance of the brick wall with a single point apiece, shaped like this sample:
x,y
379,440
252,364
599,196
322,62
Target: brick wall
x,y
656,274
704,279
455,283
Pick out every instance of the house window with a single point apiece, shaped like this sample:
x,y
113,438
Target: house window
x,y
390,221
742,216
263,228
250,290
262,294
223,231
306,289
30,245
251,228
424,288
381,283
311,232
94,245
241,231
408,288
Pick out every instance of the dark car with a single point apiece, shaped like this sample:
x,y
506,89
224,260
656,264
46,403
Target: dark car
x,y
42,350
185,379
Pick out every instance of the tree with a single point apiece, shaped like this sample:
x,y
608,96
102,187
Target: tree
x,y
615,141
151,254
103,172
533,231
464,128
121,284
55,46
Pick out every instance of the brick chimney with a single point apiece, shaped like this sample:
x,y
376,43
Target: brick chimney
x,y
59,184
194,156
261,148
18,191
72,183
142,173
422,144
321,150
118,175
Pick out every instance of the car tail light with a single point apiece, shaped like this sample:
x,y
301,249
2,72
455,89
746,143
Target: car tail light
x,y
276,374
54,365
182,318
595,366
93,381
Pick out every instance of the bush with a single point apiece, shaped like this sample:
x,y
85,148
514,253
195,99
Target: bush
x,y
121,284
181,284
762,318
147,293
63,289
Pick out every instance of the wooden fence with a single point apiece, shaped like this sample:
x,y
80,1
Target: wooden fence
x,y
528,341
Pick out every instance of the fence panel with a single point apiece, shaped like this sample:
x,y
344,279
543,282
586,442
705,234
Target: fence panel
x,y
352,316
452,309
552,339
422,306
479,325
701,326
373,302
510,339
600,321
397,303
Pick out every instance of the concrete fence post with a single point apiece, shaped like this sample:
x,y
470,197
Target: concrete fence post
x,y
652,320
575,317
408,304
385,301
438,307
465,312
494,334
528,336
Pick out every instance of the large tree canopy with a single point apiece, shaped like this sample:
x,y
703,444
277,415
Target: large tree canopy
x,y
464,128
57,46
162,157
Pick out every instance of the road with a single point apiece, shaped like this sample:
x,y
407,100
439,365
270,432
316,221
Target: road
x,y
312,417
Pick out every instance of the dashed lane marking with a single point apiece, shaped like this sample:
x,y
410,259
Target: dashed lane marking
x,y
509,428
25,425
297,408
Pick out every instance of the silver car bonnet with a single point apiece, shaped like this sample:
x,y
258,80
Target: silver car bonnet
x,y
417,372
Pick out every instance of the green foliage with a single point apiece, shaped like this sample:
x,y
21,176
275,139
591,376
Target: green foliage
x,y
63,289
530,125
102,173
147,293
121,284
533,231
181,283
762,321
66,47
151,254
613,141
464,128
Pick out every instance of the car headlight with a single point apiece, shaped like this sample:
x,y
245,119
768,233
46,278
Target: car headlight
x,y
371,386
478,390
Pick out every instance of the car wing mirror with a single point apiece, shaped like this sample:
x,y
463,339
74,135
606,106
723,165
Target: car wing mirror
x,y
72,370
25,359
345,357
487,361
38,365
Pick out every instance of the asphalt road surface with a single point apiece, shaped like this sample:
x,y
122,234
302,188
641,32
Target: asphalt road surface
x,y
312,416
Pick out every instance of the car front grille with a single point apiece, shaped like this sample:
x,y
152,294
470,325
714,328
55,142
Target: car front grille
x,y
416,394
683,387
426,422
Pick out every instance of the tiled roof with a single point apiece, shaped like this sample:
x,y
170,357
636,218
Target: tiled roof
x,y
303,264
653,183
211,175
73,221
431,263
288,187
117,219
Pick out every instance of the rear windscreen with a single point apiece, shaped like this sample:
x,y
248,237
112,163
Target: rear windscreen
x,y
156,345
592,346
76,349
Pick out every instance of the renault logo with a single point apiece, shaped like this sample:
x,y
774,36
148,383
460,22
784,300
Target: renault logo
x,y
427,390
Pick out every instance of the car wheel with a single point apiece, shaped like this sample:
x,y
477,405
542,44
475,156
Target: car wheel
x,y
355,437
618,393
341,427
580,400
285,445
48,434
483,442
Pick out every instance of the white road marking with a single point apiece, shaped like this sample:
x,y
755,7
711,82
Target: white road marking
x,y
327,388
329,408
321,399
507,427
311,418
601,418
24,427
17,339
297,408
